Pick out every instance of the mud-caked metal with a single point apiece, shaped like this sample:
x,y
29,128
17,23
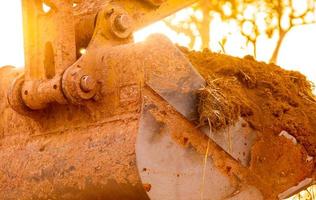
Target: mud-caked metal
x,y
87,126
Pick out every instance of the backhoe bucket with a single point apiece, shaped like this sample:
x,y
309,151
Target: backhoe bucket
x,y
167,160
174,79
138,141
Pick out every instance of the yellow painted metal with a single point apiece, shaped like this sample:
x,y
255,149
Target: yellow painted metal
x,y
51,38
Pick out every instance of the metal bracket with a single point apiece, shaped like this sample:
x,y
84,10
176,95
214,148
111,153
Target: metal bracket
x,y
55,31
58,78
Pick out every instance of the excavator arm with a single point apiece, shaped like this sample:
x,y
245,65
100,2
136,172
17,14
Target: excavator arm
x,y
56,30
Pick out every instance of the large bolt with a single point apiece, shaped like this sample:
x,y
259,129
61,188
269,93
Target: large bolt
x,y
123,22
87,83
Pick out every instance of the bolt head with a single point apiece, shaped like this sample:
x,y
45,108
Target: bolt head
x,y
123,22
87,83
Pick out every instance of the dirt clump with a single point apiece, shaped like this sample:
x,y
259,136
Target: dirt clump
x,y
271,100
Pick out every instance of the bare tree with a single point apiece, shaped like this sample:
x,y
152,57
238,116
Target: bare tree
x,y
288,17
198,25
280,16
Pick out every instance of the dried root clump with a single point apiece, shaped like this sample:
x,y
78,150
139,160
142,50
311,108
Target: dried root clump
x,y
217,106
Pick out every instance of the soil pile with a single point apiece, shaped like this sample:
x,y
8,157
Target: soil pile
x,y
271,100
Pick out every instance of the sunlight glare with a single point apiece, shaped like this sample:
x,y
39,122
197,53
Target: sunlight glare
x,y
11,40
298,51
46,8
83,51
160,27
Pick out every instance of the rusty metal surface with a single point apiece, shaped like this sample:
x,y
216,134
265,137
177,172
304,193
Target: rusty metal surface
x,y
51,46
38,94
87,151
82,163
69,152
237,140
49,38
171,151
175,172
14,95
64,150
176,81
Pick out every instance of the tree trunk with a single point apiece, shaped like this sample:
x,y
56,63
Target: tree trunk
x,y
255,50
274,57
204,28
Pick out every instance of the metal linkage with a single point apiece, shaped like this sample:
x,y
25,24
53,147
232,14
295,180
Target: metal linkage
x,y
53,39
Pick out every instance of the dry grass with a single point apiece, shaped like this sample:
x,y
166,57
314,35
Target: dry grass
x,y
215,107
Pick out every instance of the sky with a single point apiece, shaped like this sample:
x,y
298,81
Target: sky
x,y
11,37
298,51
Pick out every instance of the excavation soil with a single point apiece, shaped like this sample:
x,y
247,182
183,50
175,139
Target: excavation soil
x,y
271,100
